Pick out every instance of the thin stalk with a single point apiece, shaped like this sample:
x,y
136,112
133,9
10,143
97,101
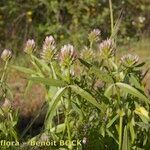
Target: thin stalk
x,y
91,44
111,16
3,78
68,129
120,132
68,108
4,71
53,71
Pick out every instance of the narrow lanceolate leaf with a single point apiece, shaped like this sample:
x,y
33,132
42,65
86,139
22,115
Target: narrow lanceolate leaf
x,y
131,127
125,144
112,121
24,69
53,106
104,76
47,81
131,90
109,91
88,65
128,89
133,80
84,94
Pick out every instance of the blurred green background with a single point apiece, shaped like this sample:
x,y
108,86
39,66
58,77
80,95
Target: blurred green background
x,y
71,20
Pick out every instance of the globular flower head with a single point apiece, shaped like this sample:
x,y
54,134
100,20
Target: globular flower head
x,y
129,60
94,35
49,48
106,48
6,54
67,54
30,46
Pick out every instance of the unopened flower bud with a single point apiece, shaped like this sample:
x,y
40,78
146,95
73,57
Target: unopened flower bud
x,y
49,48
6,54
94,35
129,60
67,54
30,46
107,48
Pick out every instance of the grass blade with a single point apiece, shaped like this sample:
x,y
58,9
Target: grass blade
x,y
53,106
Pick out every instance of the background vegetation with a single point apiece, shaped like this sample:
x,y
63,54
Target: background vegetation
x,y
70,20
95,88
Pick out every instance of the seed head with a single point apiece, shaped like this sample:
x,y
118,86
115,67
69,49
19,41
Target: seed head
x,y
107,48
6,54
30,46
67,54
49,48
129,60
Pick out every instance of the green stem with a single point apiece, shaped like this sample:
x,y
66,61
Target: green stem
x,y
120,132
68,130
53,71
111,16
3,79
4,72
69,107
91,44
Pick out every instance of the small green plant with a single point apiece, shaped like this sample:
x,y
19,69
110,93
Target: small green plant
x,y
8,117
93,95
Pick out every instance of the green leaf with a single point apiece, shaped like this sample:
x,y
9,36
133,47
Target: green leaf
x,y
125,145
24,69
42,63
46,81
88,65
53,106
126,88
134,81
140,65
85,95
112,135
110,90
131,124
112,121
104,76
131,90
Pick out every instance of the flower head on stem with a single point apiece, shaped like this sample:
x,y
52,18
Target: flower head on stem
x,y
30,46
6,54
49,48
67,54
94,35
106,48
129,60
